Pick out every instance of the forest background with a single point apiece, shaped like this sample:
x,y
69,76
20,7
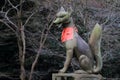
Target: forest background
x,y
30,46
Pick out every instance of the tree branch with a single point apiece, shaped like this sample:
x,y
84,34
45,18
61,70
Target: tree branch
x,y
42,41
29,18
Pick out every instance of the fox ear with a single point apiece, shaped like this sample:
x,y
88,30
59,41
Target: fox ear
x,y
70,10
62,9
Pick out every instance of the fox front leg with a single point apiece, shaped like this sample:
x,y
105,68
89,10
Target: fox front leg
x,y
69,45
69,54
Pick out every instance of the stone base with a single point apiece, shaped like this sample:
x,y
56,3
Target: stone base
x,y
73,76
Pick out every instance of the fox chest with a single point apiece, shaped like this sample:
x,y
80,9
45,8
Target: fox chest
x,y
67,33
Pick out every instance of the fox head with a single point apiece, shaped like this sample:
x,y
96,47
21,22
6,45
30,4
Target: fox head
x,y
62,16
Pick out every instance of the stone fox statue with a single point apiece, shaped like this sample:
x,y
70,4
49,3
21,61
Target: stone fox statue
x,y
88,55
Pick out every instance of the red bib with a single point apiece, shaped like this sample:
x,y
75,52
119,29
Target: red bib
x,y
67,33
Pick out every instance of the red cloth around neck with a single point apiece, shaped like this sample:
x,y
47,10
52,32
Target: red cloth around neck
x,y
68,33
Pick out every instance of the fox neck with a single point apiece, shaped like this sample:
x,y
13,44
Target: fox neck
x,y
68,23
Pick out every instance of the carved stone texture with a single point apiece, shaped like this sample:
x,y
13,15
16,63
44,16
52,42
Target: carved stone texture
x,y
73,76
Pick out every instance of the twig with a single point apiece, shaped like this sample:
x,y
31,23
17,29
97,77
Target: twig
x,y
8,26
12,4
9,19
42,41
29,18
4,5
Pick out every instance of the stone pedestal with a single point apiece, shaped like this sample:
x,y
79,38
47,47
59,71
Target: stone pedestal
x,y
73,76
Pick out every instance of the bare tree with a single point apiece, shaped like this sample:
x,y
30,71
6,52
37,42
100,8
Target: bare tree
x,y
17,26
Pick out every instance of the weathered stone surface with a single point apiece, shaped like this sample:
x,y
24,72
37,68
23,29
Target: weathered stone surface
x,y
73,76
